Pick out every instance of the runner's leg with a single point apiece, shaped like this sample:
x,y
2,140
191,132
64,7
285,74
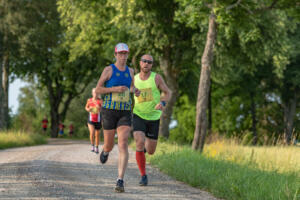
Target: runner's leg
x,y
152,136
97,133
92,133
150,145
123,134
109,136
139,137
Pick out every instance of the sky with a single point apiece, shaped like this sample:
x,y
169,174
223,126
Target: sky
x,y
13,92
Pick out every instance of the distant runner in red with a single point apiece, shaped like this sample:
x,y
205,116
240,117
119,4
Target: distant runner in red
x,y
61,127
93,106
45,124
71,130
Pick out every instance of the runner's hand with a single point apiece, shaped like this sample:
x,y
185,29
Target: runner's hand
x,y
120,89
137,92
159,106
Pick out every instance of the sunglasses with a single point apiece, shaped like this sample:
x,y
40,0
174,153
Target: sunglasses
x,y
147,61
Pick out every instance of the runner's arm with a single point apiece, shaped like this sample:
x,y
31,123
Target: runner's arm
x,y
106,74
87,106
162,86
133,89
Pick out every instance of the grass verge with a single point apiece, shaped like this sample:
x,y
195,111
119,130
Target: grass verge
x,y
223,178
12,139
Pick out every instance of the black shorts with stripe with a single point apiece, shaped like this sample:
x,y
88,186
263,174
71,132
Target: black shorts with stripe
x,y
149,127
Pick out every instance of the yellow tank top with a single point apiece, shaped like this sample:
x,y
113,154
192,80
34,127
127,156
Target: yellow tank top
x,y
145,104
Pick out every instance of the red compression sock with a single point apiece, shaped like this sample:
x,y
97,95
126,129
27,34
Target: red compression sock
x,y
141,161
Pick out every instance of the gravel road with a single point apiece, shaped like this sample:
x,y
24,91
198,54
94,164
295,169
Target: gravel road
x,y
66,169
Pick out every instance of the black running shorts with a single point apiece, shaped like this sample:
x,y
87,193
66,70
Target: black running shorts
x,y
97,125
149,127
112,119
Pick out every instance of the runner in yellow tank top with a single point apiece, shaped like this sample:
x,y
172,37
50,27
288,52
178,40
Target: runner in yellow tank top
x,y
147,111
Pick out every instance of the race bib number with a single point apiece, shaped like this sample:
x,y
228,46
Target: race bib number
x,y
146,95
120,97
94,110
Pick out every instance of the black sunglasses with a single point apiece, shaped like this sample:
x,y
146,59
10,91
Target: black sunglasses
x,y
147,61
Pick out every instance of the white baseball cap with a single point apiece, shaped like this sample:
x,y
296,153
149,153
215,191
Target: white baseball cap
x,y
121,47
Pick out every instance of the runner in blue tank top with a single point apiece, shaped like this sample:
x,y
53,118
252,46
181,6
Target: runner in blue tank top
x,y
115,83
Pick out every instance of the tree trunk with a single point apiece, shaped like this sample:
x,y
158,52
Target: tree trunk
x,y
1,96
289,113
209,109
5,70
55,116
54,122
5,81
170,79
56,94
204,84
54,100
254,121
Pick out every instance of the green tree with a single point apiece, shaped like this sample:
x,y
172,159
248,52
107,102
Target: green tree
x,y
289,86
33,106
45,57
148,27
221,14
77,114
152,29
11,24
89,30
184,113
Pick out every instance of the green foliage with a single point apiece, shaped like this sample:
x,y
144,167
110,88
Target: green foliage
x,y
88,28
77,115
222,104
184,114
11,26
45,57
32,108
152,28
253,48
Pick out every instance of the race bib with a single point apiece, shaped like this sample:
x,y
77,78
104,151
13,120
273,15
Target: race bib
x,y
94,110
120,97
146,95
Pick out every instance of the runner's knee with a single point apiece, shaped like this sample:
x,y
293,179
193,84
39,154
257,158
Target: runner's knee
x,y
150,151
108,147
140,145
150,148
123,145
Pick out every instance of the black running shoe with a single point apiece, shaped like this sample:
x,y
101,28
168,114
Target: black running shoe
x,y
103,158
120,186
144,181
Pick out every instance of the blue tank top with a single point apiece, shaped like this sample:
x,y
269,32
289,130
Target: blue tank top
x,y
118,101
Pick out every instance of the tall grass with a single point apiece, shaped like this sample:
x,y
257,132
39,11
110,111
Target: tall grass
x,y
231,171
269,158
11,139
